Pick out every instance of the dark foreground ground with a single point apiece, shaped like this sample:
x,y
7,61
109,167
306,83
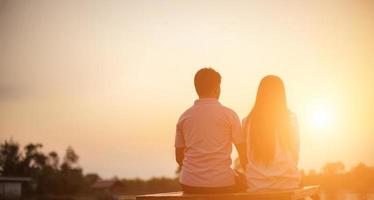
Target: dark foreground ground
x,y
325,195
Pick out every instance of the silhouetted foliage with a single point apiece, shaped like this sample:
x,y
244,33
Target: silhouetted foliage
x,y
333,168
66,178
91,178
333,177
49,176
10,159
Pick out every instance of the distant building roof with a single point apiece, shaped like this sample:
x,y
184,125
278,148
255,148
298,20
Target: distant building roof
x,y
106,184
14,179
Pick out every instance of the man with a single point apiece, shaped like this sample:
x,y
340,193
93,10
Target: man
x,y
204,137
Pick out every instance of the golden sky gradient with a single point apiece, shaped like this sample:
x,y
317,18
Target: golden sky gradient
x,y
111,78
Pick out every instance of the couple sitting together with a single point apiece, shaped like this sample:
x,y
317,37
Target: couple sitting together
x,y
267,141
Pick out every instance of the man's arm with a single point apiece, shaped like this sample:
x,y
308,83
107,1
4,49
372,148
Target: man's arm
x,y
242,152
239,140
179,155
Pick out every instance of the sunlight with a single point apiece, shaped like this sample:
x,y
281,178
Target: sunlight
x,y
321,116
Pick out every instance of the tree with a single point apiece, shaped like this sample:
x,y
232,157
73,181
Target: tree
x,y
10,158
333,168
72,175
91,178
70,159
50,177
34,160
53,160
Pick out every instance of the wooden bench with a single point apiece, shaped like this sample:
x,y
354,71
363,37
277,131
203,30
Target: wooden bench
x,y
302,193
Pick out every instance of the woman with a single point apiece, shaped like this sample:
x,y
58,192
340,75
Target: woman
x,y
272,139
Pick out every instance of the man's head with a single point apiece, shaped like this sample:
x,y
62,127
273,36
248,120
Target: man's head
x,y
208,83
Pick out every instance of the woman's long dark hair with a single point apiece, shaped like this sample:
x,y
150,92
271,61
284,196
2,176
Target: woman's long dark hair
x,y
269,120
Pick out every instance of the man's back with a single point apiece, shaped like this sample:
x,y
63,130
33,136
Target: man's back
x,y
207,131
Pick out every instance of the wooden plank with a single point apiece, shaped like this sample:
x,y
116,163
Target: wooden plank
x,y
309,191
264,195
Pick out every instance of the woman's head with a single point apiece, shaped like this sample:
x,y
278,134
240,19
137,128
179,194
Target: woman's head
x,y
271,95
269,120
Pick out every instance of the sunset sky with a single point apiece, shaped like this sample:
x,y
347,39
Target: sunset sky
x,y
110,78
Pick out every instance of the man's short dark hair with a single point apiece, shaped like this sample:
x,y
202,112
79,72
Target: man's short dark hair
x,y
206,81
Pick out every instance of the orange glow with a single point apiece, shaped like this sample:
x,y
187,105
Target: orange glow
x,y
110,78
321,116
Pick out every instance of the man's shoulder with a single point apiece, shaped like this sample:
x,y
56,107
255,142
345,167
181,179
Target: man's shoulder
x,y
230,112
220,109
227,109
186,112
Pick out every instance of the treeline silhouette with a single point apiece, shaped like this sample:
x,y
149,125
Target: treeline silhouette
x,y
334,177
49,173
53,175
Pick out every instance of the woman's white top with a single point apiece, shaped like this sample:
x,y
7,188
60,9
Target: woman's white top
x,y
282,173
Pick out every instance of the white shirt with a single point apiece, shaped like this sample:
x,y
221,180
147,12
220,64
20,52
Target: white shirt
x,y
206,131
282,173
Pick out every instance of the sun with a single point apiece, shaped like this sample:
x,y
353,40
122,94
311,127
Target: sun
x,y
321,115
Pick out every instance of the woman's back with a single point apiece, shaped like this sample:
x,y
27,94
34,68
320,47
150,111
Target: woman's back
x,y
281,172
